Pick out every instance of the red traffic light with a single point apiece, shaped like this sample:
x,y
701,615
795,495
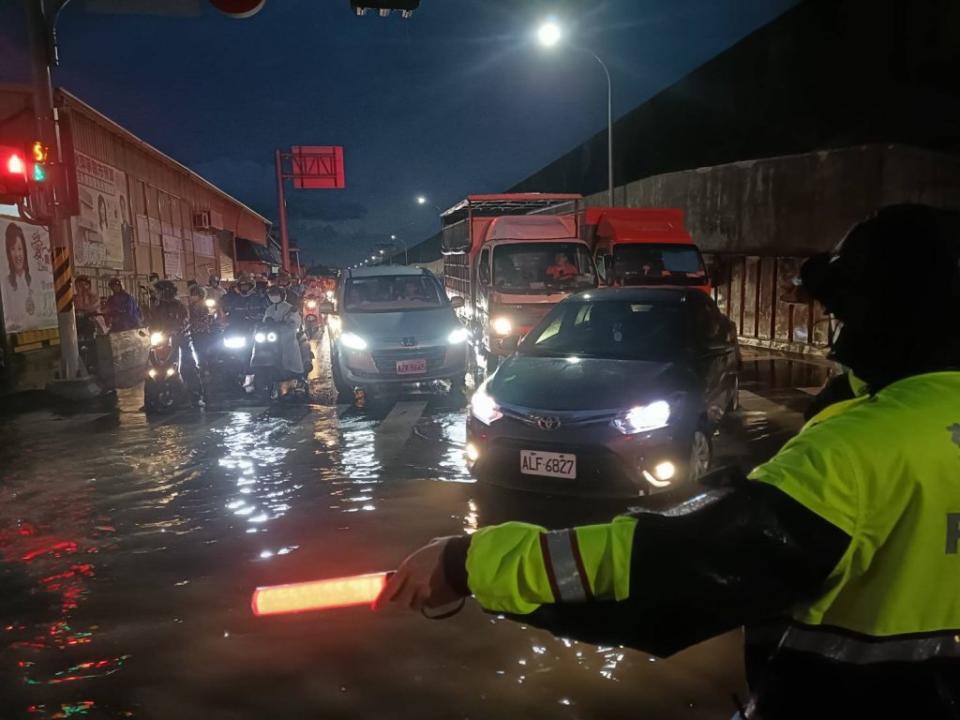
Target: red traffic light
x,y
13,174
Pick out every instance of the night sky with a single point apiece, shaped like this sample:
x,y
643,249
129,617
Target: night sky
x,y
456,100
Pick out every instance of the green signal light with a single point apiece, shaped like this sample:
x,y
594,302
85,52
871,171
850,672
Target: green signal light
x,y
39,174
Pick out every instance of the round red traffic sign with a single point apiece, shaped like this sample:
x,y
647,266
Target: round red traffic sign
x,y
238,8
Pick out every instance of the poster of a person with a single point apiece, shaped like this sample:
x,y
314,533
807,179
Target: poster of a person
x,y
98,229
26,278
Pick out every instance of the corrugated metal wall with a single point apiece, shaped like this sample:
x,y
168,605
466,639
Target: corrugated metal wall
x,y
163,199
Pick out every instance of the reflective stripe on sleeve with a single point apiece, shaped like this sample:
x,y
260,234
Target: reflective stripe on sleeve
x,y
863,650
564,565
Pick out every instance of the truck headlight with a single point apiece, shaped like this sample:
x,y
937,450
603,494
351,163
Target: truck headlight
x,y
353,341
644,418
502,326
483,407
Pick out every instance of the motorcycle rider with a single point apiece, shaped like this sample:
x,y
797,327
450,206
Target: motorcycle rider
x,y
286,319
243,309
201,323
171,317
87,304
214,290
121,309
843,530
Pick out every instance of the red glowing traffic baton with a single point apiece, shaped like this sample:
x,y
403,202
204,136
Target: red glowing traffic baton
x,y
319,594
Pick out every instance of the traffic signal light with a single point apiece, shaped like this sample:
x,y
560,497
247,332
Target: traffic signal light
x,y
13,175
39,154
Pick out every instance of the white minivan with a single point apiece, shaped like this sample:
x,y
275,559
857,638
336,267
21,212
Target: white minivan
x,y
393,325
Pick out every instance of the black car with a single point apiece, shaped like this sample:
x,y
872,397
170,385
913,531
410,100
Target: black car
x,y
614,392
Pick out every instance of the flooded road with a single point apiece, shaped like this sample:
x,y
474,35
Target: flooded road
x,y
129,549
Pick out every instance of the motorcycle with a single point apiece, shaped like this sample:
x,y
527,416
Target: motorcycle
x,y
267,361
312,320
87,332
164,388
234,352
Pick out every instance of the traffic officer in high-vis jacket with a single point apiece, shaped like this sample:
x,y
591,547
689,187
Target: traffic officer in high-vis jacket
x,y
850,534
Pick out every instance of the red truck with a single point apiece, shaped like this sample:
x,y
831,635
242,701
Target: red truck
x,y
643,246
512,257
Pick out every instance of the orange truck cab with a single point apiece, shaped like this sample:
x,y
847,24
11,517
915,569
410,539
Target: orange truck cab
x,y
512,257
647,247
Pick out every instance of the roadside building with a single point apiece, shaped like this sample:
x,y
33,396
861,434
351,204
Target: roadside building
x,y
139,212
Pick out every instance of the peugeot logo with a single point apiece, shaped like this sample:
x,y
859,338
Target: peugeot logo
x,y
548,423
408,341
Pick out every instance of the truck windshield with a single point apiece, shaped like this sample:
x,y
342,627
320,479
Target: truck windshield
x,y
392,293
649,264
618,330
535,267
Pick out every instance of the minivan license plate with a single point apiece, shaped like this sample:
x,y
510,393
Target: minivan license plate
x,y
548,464
412,367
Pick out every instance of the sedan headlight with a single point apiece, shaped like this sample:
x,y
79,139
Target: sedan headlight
x,y
235,342
483,407
157,338
458,336
271,337
353,341
502,326
644,418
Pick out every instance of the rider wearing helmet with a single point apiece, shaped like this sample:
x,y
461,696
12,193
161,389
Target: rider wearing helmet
x,y
170,316
850,534
121,309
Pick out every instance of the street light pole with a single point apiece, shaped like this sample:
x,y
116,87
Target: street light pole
x,y
549,34
606,71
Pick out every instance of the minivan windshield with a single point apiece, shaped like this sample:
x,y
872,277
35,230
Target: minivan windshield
x,y
392,293
621,330
652,264
533,267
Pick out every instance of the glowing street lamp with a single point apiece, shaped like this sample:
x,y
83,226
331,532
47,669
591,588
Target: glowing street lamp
x,y
549,35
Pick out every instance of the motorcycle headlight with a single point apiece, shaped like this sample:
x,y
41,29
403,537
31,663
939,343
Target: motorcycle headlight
x,y
260,337
330,295
311,304
210,303
157,338
234,342
644,418
271,337
483,407
353,341
152,372
171,372
502,326
458,336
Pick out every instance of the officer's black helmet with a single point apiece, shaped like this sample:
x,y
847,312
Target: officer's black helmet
x,y
894,282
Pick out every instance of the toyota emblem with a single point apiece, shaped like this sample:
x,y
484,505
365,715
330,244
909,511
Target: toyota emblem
x,y
548,423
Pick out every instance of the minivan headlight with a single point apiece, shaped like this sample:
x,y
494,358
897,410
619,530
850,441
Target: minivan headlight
x,y
458,336
353,341
644,418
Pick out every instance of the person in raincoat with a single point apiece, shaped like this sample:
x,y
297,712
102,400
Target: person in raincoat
x,y
287,323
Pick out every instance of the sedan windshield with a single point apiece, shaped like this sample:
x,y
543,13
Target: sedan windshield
x,y
658,265
620,330
392,293
530,267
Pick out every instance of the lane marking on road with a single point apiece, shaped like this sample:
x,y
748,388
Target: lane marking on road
x,y
395,430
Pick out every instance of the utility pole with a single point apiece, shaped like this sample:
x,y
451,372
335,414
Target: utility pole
x,y
41,19
282,205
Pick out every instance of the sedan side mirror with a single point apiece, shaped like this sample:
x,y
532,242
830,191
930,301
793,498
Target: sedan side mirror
x,y
456,302
326,308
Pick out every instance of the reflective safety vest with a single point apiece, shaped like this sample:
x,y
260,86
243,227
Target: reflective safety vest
x,y
884,468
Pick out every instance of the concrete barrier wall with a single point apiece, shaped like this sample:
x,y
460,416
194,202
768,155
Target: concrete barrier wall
x,y
757,221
